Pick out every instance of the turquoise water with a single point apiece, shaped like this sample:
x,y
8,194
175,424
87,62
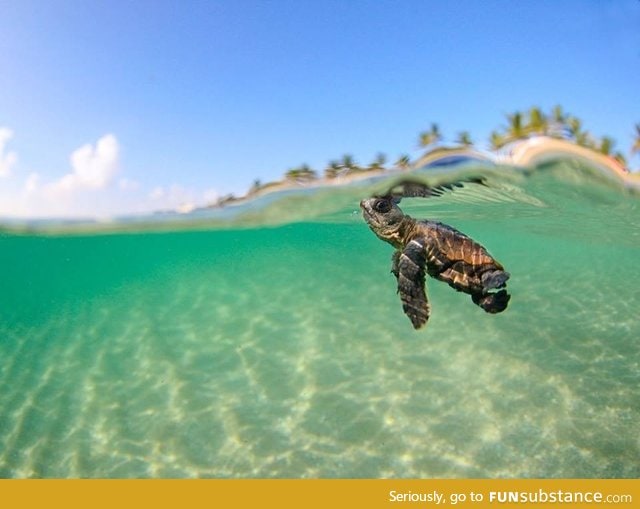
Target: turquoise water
x,y
274,345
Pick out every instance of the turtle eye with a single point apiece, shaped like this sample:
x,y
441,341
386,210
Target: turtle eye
x,y
382,206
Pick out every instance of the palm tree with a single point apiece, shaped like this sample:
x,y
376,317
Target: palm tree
x,y
558,122
497,140
635,148
558,115
574,127
606,145
292,174
578,134
464,139
349,164
424,140
301,175
619,156
538,122
379,162
516,130
255,187
430,137
332,170
585,139
403,162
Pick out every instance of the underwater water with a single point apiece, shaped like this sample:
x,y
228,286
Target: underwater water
x,y
273,344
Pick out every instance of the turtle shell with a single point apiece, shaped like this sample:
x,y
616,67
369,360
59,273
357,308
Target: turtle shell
x,y
455,258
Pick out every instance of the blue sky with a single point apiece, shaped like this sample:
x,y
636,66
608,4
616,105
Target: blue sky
x,y
114,106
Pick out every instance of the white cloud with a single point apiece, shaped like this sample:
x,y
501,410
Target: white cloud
x,y
92,167
84,191
8,159
90,189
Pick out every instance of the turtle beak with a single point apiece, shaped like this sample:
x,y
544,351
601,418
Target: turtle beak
x,y
367,213
366,208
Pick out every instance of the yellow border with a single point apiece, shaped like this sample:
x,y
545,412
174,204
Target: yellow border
x,y
326,494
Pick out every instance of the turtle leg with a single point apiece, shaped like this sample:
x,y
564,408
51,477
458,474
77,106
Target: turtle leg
x,y
494,279
479,283
492,302
409,269
395,259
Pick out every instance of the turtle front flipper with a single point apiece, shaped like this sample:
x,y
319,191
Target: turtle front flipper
x,y
395,260
409,269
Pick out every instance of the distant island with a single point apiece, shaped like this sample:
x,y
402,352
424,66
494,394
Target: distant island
x,y
525,138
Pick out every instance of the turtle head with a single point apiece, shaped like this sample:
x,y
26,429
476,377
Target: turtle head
x,y
384,217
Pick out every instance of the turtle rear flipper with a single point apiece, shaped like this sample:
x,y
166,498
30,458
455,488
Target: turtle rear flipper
x,y
494,279
492,302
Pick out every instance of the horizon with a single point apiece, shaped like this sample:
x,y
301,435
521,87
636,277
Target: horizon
x,y
101,114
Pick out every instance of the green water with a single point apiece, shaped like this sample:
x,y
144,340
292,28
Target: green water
x,y
283,351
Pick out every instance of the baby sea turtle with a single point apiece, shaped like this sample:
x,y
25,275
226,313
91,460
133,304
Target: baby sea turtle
x,y
429,247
